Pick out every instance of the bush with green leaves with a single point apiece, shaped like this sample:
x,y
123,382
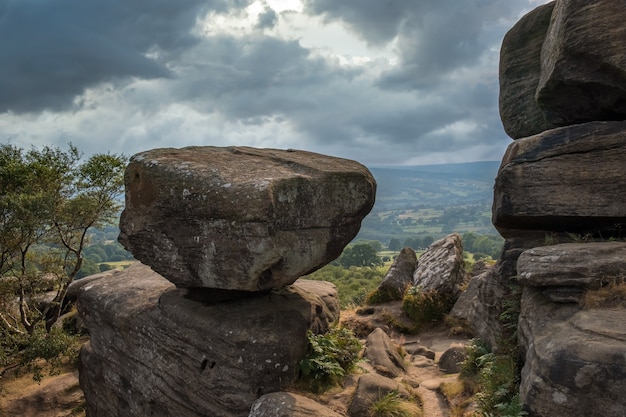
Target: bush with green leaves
x,y
353,284
329,358
46,352
425,307
495,380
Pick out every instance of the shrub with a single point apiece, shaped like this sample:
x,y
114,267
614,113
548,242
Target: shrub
x,y
48,351
393,405
495,378
425,307
329,358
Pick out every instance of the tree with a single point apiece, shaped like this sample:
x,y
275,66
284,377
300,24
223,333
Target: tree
x,y
360,254
395,244
49,199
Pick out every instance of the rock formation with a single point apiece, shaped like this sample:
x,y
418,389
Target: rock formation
x,y
215,324
562,95
241,218
441,267
400,274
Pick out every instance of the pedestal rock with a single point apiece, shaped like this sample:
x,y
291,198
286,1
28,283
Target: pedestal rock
x,y
153,351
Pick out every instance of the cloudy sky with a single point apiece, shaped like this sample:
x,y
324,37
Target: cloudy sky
x,y
385,82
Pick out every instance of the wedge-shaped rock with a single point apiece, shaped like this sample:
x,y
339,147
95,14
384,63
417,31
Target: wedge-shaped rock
x,y
154,351
568,179
583,65
441,267
241,218
520,68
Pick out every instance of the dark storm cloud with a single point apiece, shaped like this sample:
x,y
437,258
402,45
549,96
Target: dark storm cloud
x,y
432,37
51,51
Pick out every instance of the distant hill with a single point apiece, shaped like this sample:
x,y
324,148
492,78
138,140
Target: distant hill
x,y
431,200
435,184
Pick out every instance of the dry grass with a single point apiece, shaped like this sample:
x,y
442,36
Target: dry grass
x,y
612,295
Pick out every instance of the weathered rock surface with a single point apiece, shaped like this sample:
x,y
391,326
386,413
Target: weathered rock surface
x,y
441,267
586,265
383,354
520,69
241,218
451,359
480,305
370,388
154,351
575,363
568,179
400,274
583,66
286,404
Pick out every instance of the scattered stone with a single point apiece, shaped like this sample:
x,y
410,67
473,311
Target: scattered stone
x,y
520,69
450,361
414,348
383,354
286,404
370,388
240,218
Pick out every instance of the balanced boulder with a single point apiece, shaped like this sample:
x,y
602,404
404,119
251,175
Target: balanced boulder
x,y
240,218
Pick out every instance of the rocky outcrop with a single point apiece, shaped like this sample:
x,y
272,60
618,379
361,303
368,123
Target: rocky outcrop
x,y
563,180
400,275
154,351
583,67
480,305
565,184
441,267
520,69
580,265
575,361
218,321
241,218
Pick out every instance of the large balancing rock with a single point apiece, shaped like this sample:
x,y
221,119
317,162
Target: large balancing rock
x,y
240,218
583,65
569,179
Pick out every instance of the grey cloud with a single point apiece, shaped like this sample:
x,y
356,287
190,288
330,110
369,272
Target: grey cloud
x,y
53,50
267,19
433,37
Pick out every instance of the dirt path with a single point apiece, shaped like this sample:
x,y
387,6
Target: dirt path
x,y
57,396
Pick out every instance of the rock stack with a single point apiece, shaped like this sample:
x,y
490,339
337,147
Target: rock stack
x,y
213,317
563,100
